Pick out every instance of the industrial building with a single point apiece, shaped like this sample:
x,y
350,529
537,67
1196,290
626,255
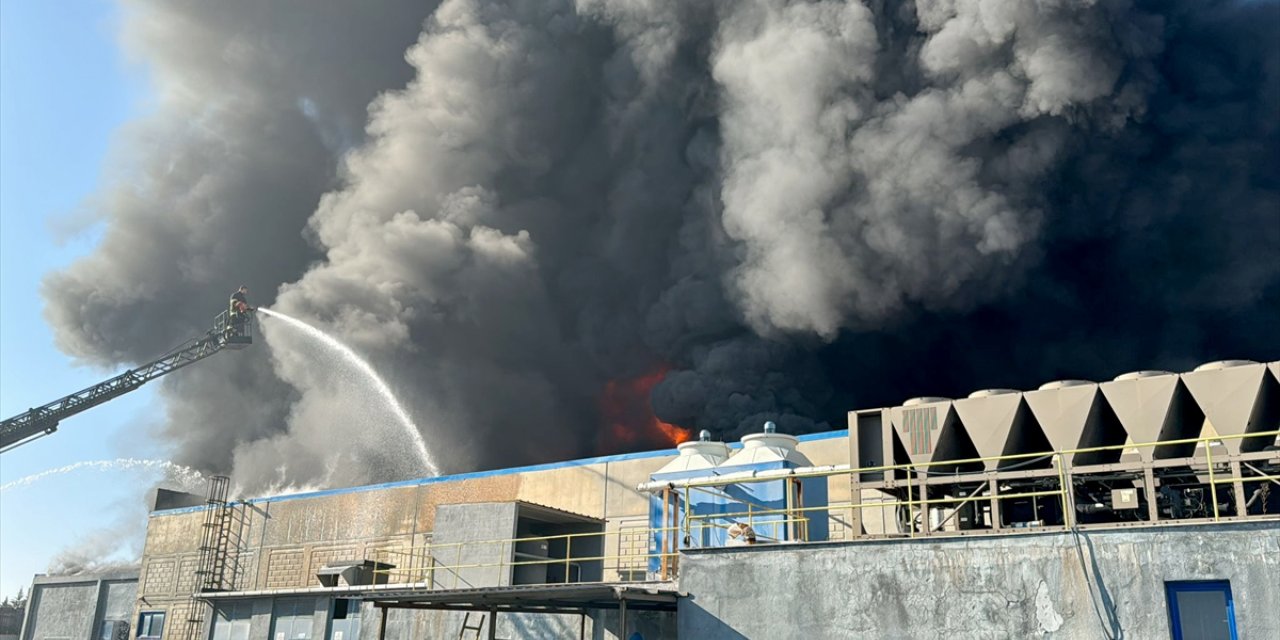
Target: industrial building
x,y
1143,507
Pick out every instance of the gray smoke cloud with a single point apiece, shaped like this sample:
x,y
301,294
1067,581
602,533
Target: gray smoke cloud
x,y
784,210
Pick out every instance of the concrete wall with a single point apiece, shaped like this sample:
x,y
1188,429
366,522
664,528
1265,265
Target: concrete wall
x,y
74,607
980,587
465,527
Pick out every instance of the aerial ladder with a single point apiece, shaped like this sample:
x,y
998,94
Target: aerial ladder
x,y
229,332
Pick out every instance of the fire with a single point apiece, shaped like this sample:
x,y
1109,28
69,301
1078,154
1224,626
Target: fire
x,y
628,414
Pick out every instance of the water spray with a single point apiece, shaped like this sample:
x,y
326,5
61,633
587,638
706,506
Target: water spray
x,y
378,384
186,476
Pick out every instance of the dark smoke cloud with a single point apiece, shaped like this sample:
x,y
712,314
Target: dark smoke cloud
x,y
794,208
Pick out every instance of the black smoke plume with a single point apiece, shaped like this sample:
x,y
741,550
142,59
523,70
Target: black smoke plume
x,y
792,208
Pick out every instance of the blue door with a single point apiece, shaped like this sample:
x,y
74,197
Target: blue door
x,y
1201,610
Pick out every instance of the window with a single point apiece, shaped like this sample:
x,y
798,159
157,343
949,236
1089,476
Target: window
x,y
231,620
344,608
1201,610
151,624
291,619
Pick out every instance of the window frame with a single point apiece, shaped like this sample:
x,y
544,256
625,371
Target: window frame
x,y
1173,587
149,617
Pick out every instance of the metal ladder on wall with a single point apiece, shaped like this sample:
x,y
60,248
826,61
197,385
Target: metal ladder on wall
x,y
222,532
466,626
478,627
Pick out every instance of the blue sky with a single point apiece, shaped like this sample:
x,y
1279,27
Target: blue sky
x,y
65,90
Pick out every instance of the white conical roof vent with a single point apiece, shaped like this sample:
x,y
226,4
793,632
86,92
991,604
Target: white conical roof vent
x,y
769,446
698,454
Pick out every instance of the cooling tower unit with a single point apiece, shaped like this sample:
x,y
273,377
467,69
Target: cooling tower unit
x,y
1000,423
696,458
1075,415
770,452
928,430
1155,406
1237,397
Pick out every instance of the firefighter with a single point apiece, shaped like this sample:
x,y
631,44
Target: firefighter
x,y
239,307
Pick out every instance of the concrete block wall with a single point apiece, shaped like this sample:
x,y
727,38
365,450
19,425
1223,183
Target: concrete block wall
x,y
995,587
74,607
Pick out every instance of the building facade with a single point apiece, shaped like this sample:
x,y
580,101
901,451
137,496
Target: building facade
x,y
1145,507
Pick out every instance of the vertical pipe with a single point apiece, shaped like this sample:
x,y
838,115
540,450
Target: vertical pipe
x,y
1067,495
622,618
673,531
582,626
664,533
493,624
1237,487
568,553
1213,485
1149,488
688,493
382,624
992,489
804,515
911,509
789,525
855,505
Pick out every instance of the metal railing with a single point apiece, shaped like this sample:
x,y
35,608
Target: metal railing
x,y
915,487
460,565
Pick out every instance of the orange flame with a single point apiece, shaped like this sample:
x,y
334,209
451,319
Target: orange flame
x,y
628,414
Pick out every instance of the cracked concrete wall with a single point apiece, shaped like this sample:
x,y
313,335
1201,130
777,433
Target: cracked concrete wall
x,y
996,587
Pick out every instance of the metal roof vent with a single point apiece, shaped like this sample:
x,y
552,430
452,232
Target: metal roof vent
x,y
1223,364
704,436
924,400
1138,375
770,427
986,393
1063,384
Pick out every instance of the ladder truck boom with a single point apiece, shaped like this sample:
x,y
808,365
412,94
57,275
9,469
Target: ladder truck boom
x,y
228,332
